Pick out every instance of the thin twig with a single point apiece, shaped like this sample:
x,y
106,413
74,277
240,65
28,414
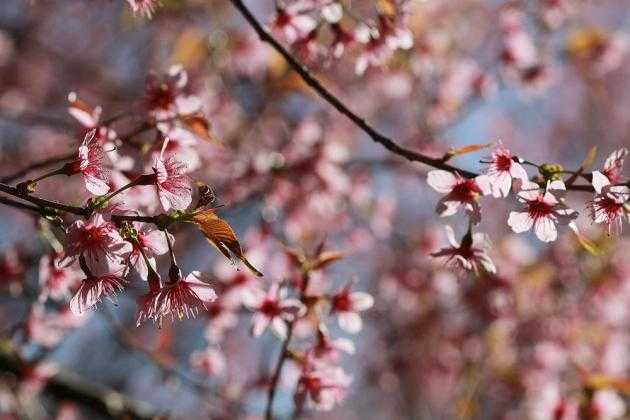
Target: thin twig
x,y
360,122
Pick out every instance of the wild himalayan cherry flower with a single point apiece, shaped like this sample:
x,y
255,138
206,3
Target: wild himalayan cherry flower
x,y
291,24
56,281
165,97
99,242
502,169
607,404
143,7
327,349
94,288
153,242
181,298
543,210
608,205
172,183
209,362
347,306
614,165
459,191
90,163
321,386
470,254
273,309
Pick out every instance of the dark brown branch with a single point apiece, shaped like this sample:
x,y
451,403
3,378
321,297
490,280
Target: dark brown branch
x,y
68,386
35,166
79,211
309,79
360,122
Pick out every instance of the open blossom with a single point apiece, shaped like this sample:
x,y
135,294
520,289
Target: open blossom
x,y
99,242
89,161
56,281
502,169
608,205
209,362
459,191
606,404
614,165
153,243
165,97
94,289
327,349
291,24
171,181
543,210
347,305
321,386
470,254
183,297
273,309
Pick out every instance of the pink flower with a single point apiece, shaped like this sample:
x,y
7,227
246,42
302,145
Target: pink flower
x,y
470,254
291,24
94,288
181,298
165,97
503,168
459,191
143,7
321,386
153,242
90,162
99,242
55,281
172,183
209,362
273,309
327,349
347,306
222,318
614,165
543,210
608,205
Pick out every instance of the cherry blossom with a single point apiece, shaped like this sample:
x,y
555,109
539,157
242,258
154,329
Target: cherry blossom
x,y
153,243
328,349
321,386
90,163
56,281
471,254
273,310
291,24
347,305
503,168
94,289
210,361
543,210
614,165
172,183
459,192
608,206
182,297
165,97
99,242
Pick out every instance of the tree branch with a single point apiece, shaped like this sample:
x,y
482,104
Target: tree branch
x,y
360,122
66,385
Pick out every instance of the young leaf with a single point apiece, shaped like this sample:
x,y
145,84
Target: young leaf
x,y
220,234
464,150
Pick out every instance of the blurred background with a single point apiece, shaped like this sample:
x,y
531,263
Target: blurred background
x,y
547,337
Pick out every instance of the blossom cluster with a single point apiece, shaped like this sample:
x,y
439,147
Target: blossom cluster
x,y
542,204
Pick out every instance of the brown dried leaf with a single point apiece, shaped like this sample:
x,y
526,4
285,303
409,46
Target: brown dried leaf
x,y
199,126
220,234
